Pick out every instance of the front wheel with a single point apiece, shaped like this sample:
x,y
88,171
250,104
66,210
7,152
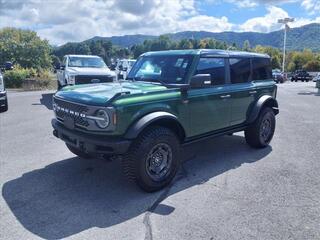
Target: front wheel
x,y
261,132
153,159
78,152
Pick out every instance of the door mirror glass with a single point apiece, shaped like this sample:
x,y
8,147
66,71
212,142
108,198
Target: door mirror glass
x,y
200,80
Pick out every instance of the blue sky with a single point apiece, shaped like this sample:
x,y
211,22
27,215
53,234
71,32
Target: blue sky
x,y
61,21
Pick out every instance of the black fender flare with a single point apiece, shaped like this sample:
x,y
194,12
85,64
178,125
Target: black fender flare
x,y
136,128
265,100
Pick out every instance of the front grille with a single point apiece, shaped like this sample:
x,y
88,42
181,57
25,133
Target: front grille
x,y
73,110
84,79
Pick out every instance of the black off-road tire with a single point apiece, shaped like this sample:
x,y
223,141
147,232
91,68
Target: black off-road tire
x,y
78,152
137,161
257,134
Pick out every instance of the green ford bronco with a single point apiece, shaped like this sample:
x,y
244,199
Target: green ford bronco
x,y
169,99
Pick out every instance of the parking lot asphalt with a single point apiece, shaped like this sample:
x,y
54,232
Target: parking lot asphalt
x,y
225,189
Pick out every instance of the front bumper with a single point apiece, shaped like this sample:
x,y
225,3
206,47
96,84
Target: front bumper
x,y
90,143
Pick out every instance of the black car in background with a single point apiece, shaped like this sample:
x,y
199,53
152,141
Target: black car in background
x,y
301,75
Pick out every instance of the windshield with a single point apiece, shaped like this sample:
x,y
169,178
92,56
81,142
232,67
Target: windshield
x,y
92,62
163,69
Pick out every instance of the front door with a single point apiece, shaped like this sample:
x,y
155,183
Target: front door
x,y
209,106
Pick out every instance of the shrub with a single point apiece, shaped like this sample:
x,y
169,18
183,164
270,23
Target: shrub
x,y
30,78
15,77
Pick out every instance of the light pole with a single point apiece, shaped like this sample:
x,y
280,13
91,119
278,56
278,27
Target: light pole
x,y
285,22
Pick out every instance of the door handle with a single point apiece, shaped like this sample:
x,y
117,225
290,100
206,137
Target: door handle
x,y
252,92
225,96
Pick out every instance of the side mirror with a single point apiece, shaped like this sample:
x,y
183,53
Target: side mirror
x,y
124,69
120,68
8,66
62,67
200,80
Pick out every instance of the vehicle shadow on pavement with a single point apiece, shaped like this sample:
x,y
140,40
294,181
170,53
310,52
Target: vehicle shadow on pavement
x,y
73,195
46,100
315,93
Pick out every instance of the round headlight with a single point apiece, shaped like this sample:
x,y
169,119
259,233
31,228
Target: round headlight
x,y
103,119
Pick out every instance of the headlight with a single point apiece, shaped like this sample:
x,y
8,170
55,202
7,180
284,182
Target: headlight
x,y
102,119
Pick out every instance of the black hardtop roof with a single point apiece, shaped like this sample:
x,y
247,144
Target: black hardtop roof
x,y
208,53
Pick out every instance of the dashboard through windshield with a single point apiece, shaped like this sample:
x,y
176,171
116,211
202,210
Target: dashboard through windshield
x,y
91,62
164,69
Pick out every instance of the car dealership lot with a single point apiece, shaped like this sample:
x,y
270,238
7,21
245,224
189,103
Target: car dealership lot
x,y
225,189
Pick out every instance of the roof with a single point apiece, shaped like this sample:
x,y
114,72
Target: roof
x,y
76,55
207,53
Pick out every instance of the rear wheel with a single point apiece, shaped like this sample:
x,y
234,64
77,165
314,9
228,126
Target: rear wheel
x,y
153,159
261,132
78,152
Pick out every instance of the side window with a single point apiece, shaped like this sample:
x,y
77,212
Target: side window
x,y
261,68
213,66
240,70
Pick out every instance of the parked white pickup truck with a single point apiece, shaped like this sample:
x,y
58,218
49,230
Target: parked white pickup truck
x,y
83,69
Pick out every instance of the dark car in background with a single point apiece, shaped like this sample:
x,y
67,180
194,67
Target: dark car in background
x,y
301,75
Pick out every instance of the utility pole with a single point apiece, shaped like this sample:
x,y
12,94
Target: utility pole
x,y
285,22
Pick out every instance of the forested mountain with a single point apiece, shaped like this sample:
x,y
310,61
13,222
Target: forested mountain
x,y
307,36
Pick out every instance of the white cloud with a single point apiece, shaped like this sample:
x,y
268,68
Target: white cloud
x,y
267,23
312,6
71,20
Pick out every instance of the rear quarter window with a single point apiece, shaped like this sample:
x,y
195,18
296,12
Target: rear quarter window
x,y
261,69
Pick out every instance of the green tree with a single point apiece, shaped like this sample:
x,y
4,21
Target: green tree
x,y
83,48
312,66
246,46
24,47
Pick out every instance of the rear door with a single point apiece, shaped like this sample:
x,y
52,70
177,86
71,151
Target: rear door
x,y
209,106
243,91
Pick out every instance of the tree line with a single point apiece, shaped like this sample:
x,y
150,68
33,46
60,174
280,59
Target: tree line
x,y
27,50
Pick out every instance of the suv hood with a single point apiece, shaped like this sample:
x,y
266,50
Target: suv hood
x,y
89,71
100,94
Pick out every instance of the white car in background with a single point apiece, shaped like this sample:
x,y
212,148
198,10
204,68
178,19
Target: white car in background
x,y
83,69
